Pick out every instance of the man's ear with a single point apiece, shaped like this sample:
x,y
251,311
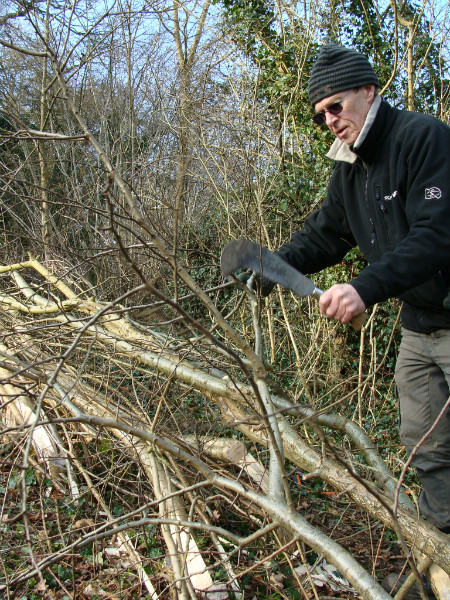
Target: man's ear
x,y
370,92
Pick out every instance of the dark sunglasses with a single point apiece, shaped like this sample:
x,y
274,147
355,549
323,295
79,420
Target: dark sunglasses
x,y
334,109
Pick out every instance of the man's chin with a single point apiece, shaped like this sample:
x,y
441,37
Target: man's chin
x,y
346,136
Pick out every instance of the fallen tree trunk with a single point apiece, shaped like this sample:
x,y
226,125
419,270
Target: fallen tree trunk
x,y
241,406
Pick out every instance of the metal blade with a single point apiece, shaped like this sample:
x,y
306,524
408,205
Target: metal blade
x,y
244,254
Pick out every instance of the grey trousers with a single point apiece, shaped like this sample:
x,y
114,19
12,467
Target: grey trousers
x,y
423,381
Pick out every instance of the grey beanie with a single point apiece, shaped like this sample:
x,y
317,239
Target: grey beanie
x,y
337,69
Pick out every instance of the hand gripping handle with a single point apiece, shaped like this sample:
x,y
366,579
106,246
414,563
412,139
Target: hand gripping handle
x,y
357,322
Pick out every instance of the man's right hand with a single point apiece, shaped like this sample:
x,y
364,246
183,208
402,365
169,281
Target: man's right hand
x,y
341,302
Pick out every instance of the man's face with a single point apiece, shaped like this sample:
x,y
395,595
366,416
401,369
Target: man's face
x,y
348,123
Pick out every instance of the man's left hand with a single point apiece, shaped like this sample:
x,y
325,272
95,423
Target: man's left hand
x,y
341,302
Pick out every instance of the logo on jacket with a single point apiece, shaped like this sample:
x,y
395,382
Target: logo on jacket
x,y
432,192
392,196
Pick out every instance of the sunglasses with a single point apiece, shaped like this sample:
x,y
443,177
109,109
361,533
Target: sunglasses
x,y
334,109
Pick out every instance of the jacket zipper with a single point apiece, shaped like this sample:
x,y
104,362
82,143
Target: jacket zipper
x,y
383,211
381,206
372,224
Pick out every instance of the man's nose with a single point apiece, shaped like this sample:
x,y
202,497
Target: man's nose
x,y
330,119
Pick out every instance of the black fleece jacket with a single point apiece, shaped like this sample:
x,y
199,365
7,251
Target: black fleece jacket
x,y
394,203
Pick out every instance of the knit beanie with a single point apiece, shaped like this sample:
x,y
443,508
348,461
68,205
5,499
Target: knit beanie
x,y
337,69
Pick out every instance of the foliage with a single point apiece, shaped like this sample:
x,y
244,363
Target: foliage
x,y
377,32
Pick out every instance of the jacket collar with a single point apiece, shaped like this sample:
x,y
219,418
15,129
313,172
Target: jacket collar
x,y
340,151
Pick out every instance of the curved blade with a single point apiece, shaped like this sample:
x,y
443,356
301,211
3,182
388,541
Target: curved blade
x,y
244,254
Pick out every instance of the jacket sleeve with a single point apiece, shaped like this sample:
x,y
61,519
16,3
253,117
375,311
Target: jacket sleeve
x,y
424,253
325,239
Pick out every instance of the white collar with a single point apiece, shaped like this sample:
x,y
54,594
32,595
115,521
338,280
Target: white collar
x,y
341,151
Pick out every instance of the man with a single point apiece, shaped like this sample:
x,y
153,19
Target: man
x,y
389,194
